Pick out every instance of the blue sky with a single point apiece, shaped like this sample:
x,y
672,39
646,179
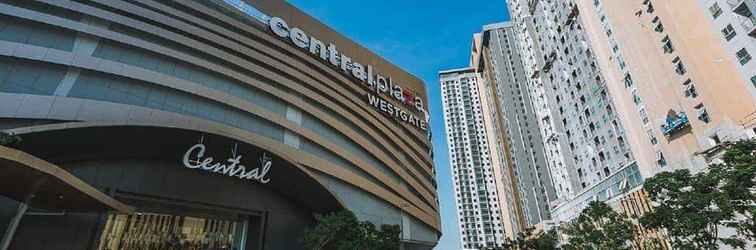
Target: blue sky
x,y
422,37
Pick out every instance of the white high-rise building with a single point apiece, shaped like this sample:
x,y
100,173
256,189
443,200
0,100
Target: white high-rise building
x,y
476,196
584,138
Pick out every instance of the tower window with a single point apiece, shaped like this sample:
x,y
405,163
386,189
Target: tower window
x,y
679,66
728,32
659,27
743,56
667,45
715,10
702,114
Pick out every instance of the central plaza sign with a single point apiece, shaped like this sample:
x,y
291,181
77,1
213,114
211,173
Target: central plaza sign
x,y
366,74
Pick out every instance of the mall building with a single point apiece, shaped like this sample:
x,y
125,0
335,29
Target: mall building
x,y
201,124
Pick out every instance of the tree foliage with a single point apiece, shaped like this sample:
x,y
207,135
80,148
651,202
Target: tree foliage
x,y
532,240
691,208
342,231
601,228
738,173
9,140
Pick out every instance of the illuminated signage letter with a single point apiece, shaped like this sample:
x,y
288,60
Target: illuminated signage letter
x,y
419,103
299,38
346,63
358,71
333,55
396,91
382,83
279,27
318,48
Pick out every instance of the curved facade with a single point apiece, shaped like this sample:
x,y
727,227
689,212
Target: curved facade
x,y
121,93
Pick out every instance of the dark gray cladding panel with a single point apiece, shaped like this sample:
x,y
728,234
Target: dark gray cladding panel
x,y
8,209
53,232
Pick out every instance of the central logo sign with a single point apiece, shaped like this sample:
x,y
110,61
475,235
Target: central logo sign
x,y
194,158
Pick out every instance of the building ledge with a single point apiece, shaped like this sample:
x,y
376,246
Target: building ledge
x,y
43,185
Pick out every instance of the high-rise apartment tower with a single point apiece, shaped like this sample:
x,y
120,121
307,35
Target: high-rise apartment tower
x,y
627,89
477,198
583,135
682,76
516,124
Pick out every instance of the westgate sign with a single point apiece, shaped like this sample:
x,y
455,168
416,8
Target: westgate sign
x,y
397,113
364,73
194,158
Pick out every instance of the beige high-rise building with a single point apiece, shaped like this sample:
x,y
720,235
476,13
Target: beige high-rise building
x,y
682,77
682,72
668,84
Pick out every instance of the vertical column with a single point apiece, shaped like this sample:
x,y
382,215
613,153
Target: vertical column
x,y
294,115
255,232
23,206
406,227
12,226
84,45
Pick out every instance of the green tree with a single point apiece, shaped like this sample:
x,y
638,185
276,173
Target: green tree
x,y
599,227
544,241
343,231
691,208
685,208
532,240
388,237
738,172
9,140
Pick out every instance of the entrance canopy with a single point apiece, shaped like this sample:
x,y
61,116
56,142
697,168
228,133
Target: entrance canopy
x,y
69,146
43,185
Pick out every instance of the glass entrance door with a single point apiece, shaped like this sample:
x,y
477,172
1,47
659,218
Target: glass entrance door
x,y
149,231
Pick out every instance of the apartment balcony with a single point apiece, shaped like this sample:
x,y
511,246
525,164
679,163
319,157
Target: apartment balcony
x,y
547,66
745,10
549,62
748,23
573,16
532,5
675,123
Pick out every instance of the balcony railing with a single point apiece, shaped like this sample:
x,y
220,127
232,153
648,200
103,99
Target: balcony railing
x,y
573,15
675,123
532,4
745,10
549,62
749,24
738,6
